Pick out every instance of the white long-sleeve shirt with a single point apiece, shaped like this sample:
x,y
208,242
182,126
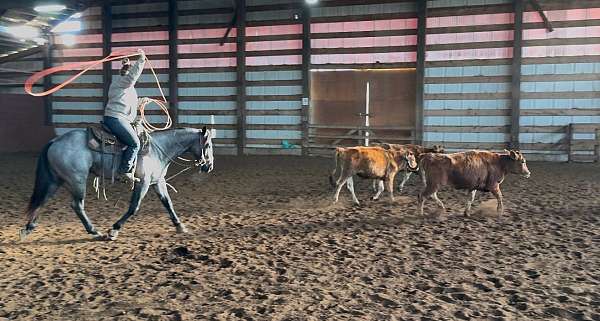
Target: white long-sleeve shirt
x,y
122,97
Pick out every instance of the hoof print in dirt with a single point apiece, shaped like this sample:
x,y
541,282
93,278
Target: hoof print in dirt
x,y
182,251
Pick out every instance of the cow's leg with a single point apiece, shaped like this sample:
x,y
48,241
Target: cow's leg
x,y
440,203
470,201
498,194
375,186
380,188
350,185
427,191
343,179
404,180
390,184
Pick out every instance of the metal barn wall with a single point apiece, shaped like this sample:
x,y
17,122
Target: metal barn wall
x,y
560,82
80,103
273,76
206,70
378,35
143,26
15,73
467,73
256,94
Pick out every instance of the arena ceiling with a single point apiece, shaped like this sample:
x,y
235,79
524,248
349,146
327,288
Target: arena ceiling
x,y
25,24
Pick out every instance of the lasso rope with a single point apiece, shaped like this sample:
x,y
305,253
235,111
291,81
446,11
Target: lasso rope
x,y
89,65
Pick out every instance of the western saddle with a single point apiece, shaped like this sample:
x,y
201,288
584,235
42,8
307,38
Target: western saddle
x,y
101,139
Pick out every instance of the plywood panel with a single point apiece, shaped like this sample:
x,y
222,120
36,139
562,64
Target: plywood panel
x,y
339,96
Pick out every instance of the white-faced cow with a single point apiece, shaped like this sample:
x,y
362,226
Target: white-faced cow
x,y
473,171
417,150
369,162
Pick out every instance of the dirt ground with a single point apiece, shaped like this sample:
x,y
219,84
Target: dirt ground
x,y
266,243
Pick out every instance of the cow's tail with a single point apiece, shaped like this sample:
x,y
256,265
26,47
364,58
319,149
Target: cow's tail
x,y
336,162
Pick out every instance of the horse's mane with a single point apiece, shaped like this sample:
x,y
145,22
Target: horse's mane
x,y
159,133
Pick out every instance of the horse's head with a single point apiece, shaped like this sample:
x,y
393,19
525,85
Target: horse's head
x,y
203,150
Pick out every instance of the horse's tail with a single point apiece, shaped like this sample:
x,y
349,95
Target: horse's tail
x,y
335,162
44,180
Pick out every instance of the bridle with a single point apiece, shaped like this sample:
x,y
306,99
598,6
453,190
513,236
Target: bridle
x,y
191,163
204,143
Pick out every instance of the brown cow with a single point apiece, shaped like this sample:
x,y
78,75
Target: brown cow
x,y
417,150
369,162
473,171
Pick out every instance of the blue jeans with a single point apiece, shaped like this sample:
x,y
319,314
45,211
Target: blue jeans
x,y
126,135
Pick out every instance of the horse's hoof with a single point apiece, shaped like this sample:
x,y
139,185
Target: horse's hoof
x,y
112,235
97,235
181,229
23,234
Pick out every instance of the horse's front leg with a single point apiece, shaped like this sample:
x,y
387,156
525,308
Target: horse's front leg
x,y
139,192
165,198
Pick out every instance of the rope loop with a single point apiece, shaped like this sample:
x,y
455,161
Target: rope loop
x,y
118,55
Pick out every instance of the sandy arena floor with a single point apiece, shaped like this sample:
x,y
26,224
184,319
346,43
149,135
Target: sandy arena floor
x,y
266,243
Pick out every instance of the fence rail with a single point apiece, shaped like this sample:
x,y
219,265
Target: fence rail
x,y
583,150
322,138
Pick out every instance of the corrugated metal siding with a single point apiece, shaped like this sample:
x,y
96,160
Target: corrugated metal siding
x,y
559,78
358,36
206,70
80,103
273,77
467,74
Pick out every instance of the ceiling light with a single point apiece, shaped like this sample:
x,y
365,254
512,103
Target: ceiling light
x,y
68,26
312,1
50,8
23,32
68,40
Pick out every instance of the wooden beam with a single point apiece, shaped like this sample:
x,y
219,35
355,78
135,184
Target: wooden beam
x,y
21,54
231,24
48,82
516,75
106,48
306,52
536,5
241,74
420,81
173,88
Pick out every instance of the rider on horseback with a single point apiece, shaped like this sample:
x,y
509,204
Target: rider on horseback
x,y
121,112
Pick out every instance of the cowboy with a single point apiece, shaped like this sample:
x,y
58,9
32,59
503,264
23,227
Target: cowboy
x,y
121,112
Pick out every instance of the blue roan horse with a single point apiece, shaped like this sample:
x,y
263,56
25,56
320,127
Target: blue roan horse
x,y
67,161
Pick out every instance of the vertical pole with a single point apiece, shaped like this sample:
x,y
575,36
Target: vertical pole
x,y
173,88
569,137
367,115
106,48
597,149
48,82
421,49
306,46
515,87
241,75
